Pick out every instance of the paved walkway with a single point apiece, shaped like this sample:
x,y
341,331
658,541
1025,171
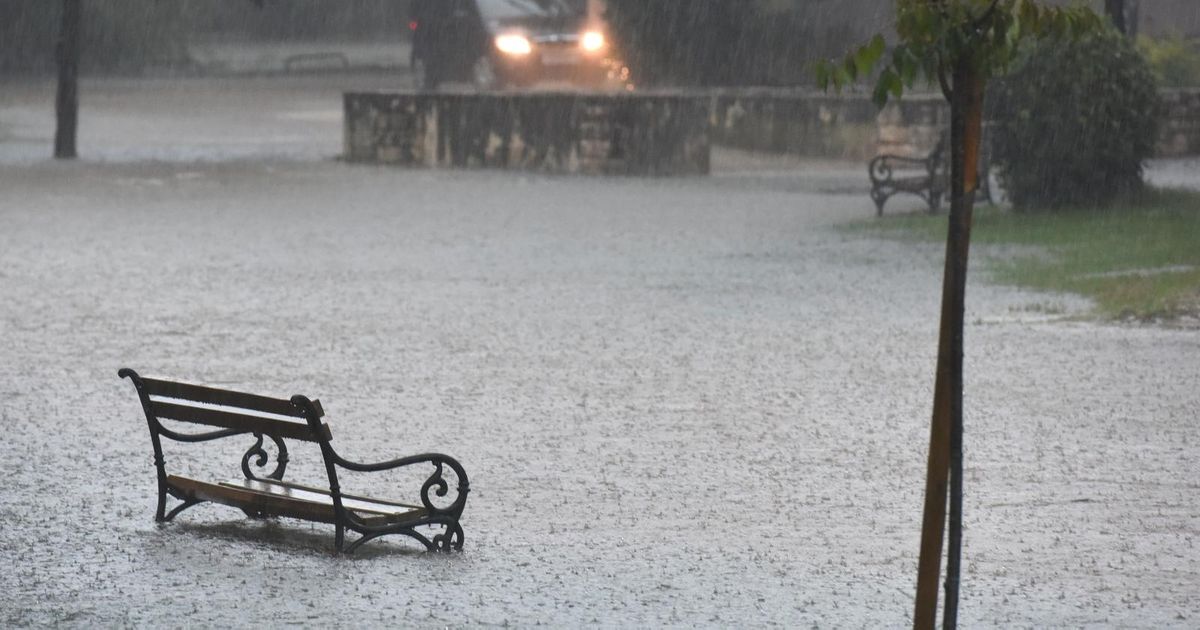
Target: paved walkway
x,y
222,57
299,117
682,402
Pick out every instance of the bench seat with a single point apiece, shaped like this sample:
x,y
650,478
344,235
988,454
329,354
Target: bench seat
x,y
280,498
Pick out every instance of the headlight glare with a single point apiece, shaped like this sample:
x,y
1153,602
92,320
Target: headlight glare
x,y
513,44
592,41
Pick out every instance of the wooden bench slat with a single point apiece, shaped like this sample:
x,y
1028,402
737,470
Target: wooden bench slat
x,y
230,420
317,495
279,500
252,501
325,491
223,397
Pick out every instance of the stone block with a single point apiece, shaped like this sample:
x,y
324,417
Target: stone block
x,y
658,134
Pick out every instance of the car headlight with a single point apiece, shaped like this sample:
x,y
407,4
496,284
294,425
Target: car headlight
x,y
592,41
515,45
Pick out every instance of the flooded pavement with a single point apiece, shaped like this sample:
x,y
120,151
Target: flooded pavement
x,y
291,117
682,403
221,56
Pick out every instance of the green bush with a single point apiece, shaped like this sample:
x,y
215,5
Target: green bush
x,y
1075,122
1175,61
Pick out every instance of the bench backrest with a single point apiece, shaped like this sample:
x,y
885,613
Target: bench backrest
x,y
227,409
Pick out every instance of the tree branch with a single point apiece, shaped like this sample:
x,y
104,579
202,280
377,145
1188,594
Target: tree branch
x,y
987,15
947,90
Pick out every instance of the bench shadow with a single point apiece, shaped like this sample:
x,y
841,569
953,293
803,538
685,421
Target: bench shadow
x,y
282,536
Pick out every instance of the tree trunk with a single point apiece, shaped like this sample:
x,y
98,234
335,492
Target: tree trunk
x,y
1133,18
945,438
966,135
1116,11
67,102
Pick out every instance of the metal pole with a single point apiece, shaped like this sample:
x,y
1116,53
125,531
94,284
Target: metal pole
x,y
67,101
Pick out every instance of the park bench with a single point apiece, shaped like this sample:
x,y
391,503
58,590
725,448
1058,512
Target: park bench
x,y
926,177
235,414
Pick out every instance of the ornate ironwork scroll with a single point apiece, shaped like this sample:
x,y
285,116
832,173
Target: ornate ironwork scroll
x,y
257,451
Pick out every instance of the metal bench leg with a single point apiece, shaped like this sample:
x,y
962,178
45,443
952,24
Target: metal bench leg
x,y
879,198
187,503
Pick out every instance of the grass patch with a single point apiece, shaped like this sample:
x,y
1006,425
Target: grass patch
x,y
1139,258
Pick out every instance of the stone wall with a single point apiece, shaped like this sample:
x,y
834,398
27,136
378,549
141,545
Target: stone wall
x,y
567,132
661,133
1180,135
820,125
851,127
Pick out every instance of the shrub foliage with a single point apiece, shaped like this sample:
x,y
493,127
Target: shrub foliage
x,y
1075,122
1176,61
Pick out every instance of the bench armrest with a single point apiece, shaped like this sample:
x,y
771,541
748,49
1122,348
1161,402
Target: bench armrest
x,y
436,483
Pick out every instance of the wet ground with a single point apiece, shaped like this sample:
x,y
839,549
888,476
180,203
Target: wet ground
x,y
222,57
295,117
684,403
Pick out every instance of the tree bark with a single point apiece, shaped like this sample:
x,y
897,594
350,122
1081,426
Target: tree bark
x,y
966,136
1116,11
945,439
67,101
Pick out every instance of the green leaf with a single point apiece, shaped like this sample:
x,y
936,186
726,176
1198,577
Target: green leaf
x,y
851,68
889,83
895,85
841,77
937,34
870,54
821,70
862,67
880,95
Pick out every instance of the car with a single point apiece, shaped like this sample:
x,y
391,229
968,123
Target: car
x,y
497,43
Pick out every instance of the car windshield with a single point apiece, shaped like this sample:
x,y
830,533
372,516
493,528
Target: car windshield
x,y
506,9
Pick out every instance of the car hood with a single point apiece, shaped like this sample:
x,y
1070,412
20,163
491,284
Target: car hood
x,y
541,26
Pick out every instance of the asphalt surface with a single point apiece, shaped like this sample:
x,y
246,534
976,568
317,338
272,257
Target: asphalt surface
x,y
682,403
